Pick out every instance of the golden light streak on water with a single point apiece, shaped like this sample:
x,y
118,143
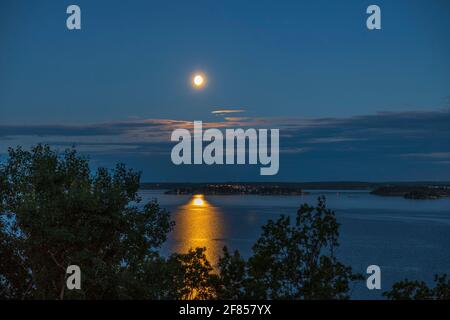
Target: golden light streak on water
x,y
199,224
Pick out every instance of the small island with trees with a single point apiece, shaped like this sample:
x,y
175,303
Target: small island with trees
x,y
233,189
413,192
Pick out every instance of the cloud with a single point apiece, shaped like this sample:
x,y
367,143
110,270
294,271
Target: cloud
x,y
408,134
334,139
235,119
227,111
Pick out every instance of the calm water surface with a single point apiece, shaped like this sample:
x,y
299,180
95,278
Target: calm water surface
x,y
406,238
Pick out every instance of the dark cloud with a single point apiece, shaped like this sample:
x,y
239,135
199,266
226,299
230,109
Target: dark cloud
x,y
407,144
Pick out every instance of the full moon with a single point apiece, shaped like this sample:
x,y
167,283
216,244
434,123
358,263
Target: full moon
x,y
198,80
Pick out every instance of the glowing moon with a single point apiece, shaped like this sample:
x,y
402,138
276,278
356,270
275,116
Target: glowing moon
x,y
198,80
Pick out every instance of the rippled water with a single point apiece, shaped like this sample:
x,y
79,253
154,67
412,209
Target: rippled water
x,y
406,238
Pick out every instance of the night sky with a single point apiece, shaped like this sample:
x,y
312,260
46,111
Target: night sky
x,y
351,104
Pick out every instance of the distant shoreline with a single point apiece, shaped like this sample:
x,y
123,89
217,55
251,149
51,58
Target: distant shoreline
x,y
410,190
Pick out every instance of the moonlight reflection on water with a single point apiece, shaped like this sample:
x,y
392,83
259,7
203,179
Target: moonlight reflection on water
x,y
198,224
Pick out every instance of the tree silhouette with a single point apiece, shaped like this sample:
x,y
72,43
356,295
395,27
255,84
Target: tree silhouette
x,y
418,290
290,261
55,214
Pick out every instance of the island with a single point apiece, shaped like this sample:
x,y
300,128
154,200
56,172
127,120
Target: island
x,y
255,188
233,189
413,192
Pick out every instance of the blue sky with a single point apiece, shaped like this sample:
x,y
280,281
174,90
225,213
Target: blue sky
x,y
352,104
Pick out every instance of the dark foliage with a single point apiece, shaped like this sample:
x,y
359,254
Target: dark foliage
x,y
418,290
290,261
55,213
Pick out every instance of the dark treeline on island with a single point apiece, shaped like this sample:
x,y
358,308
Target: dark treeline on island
x,y
410,190
413,192
230,189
